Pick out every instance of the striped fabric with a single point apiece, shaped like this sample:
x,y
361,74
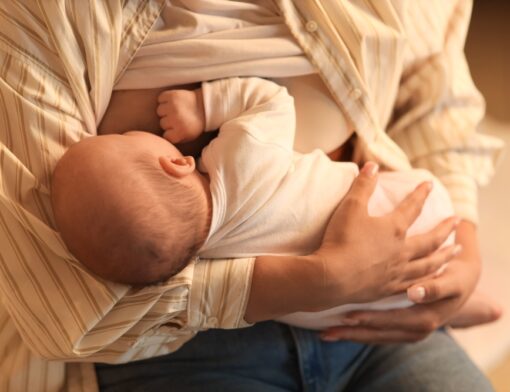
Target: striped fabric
x,y
398,71
395,67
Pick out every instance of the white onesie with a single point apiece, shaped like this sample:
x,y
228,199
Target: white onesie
x,y
270,200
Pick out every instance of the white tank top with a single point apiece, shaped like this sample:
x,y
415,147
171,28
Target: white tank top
x,y
320,122
197,40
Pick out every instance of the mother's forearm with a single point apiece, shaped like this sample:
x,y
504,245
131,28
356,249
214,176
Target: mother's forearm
x,y
282,285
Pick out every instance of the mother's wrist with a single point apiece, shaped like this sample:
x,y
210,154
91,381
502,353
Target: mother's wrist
x,y
282,285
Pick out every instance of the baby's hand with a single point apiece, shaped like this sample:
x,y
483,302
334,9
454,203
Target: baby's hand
x,y
181,115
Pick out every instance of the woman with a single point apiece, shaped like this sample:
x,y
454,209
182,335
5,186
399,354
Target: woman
x,y
382,70
211,38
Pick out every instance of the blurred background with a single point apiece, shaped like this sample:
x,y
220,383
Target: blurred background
x,y
488,52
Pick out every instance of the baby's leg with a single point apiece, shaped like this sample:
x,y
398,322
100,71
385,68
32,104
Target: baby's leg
x,y
480,308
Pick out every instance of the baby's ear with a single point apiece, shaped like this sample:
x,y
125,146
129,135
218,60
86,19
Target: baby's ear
x,y
178,167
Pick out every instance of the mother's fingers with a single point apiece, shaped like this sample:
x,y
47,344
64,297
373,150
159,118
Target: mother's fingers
x,y
388,326
441,287
428,265
362,187
422,245
410,208
371,336
418,318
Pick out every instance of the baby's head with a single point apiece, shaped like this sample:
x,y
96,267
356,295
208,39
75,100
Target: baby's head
x,y
130,207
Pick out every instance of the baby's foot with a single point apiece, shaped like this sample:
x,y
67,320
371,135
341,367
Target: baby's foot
x,y
479,309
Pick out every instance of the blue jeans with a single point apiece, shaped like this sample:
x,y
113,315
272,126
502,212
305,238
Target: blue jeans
x,y
272,357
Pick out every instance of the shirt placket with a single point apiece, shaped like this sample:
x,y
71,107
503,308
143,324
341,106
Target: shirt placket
x,y
311,26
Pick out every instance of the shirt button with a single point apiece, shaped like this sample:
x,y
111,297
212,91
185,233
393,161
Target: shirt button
x,y
356,93
311,26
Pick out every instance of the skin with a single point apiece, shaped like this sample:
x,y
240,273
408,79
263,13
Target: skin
x,y
183,119
442,303
277,282
106,167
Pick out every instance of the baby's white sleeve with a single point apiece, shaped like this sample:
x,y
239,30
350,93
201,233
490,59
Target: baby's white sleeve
x,y
253,106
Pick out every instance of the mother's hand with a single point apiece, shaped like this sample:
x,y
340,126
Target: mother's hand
x,y
366,258
439,298
362,258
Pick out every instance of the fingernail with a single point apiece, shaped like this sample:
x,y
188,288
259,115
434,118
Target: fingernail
x,y
416,294
370,169
440,270
457,221
349,322
457,249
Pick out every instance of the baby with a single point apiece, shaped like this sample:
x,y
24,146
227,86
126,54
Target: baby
x,y
134,210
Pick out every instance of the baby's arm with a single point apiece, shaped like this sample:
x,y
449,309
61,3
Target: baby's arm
x,y
256,106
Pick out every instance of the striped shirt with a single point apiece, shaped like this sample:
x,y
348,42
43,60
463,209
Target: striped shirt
x,y
395,68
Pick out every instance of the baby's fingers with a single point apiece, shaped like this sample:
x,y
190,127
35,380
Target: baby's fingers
x,y
174,136
167,123
162,109
165,96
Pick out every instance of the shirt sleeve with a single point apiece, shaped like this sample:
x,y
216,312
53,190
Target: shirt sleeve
x,y
58,63
438,110
251,106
